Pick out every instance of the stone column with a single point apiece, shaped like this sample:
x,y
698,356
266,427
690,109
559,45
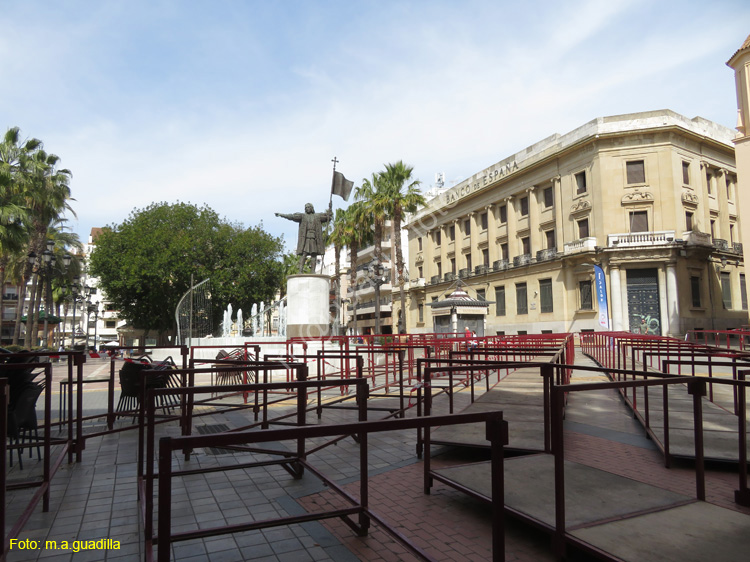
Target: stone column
x,y
474,240
534,233
559,228
513,250
492,245
673,301
615,289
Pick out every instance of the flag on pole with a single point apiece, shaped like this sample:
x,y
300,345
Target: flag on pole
x,y
341,186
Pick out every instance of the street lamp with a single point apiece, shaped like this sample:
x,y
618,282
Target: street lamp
x,y
92,308
376,274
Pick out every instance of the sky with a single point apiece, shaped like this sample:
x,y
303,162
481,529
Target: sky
x,y
242,105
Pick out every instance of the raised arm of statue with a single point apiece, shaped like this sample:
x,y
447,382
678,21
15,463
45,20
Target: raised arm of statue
x,y
296,217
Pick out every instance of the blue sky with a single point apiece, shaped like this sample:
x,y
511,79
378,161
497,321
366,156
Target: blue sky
x,y
241,105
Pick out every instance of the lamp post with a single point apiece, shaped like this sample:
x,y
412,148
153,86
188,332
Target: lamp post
x,y
376,273
92,308
44,271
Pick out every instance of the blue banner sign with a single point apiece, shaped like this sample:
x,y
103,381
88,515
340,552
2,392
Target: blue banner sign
x,y
601,296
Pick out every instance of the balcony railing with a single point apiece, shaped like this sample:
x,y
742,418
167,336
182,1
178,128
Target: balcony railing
x,y
639,239
698,239
480,269
464,273
523,259
587,244
548,254
434,279
720,244
500,265
737,246
450,276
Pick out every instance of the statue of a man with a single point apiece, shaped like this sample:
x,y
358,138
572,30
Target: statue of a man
x,y
310,236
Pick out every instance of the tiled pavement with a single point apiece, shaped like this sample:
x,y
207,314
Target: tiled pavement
x,y
96,498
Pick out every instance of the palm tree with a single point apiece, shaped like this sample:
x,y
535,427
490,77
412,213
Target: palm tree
x,y
374,198
47,199
357,233
402,198
15,167
338,237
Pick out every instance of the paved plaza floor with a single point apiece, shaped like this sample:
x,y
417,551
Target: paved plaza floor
x,y
97,498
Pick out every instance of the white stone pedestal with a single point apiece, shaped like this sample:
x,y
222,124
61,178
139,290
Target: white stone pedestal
x,y
307,306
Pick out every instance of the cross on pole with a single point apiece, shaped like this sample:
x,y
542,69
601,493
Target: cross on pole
x,y
335,161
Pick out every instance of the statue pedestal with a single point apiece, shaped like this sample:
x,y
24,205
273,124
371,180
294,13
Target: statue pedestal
x,y
307,306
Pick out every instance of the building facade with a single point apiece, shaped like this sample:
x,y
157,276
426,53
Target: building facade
x,y
651,198
740,63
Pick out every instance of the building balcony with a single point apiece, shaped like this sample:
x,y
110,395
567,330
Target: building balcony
x,y
640,239
500,265
480,269
581,245
464,273
737,247
368,289
545,255
449,276
523,259
697,239
720,244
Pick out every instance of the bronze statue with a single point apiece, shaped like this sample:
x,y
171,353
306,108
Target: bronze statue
x,y
310,236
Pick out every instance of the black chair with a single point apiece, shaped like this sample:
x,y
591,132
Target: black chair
x,y
130,385
22,419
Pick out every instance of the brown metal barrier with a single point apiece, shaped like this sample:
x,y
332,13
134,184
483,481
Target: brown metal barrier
x,y
695,387
49,468
497,433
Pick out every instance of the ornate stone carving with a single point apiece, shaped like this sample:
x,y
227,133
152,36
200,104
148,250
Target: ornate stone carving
x,y
580,206
637,197
690,199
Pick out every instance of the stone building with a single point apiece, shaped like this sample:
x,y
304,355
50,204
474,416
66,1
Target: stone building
x,y
649,197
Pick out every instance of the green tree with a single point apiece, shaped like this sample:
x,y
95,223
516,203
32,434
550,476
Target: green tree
x,y
373,196
403,196
144,264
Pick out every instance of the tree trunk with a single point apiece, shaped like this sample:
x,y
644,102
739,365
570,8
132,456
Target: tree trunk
x,y
337,266
354,248
399,268
379,262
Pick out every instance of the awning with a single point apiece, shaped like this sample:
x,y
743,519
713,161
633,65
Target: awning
x,y
42,315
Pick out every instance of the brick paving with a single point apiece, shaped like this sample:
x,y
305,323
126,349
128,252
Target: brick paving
x,y
96,498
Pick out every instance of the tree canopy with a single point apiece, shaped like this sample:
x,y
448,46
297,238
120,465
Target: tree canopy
x,y
144,264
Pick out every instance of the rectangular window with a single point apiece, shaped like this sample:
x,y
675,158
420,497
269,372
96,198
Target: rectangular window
x,y
438,237
468,262
639,221
731,234
486,257
583,228
481,295
726,290
743,291
709,178
419,270
584,290
440,269
467,227
636,171
504,250
452,232
695,291
686,173
110,324
453,266
525,245
581,183
688,221
484,220
524,204
419,244
713,228
110,307
503,214
730,186
549,197
420,308
545,295
522,305
500,301
550,239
